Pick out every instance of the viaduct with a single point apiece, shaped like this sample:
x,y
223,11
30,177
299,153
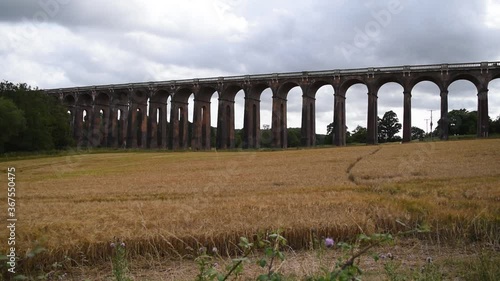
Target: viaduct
x,y
116,115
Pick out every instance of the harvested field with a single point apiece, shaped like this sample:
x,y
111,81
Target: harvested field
x,y
167,204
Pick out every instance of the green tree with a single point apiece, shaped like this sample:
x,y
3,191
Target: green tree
x,y
462,122
330,132
47,121
359,135
266,138
293,137
388,127
238,138
417,133
328,139
12,121
495,126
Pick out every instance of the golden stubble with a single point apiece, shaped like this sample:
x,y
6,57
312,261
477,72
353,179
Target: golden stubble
x,y
77,204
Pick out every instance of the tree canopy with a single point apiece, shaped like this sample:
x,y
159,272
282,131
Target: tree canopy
x,y
388,127
12,121
40,121
461,122
495,126
417,133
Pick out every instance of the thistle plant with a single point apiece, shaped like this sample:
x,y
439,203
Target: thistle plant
x,y
119,260
273,250
208,271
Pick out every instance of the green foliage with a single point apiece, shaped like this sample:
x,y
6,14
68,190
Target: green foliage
x,y
119,260
207,270
12,121
46,125
294,136
345,267
272,250
484,267
460,122
18,274
495,126
417,133
238,138
388,127
359,135
329,134
266,138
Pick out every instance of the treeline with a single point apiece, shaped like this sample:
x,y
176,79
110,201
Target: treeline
x,y
461,122
388,128
30,120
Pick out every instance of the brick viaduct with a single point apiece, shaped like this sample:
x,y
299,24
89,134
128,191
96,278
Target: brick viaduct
x,y
117,114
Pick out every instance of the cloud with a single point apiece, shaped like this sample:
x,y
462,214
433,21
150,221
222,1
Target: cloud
x,y
62,43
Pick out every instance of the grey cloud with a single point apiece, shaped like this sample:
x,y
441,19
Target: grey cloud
x,y
118,43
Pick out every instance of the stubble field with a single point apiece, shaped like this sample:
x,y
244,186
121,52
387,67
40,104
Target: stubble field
x,y
169,204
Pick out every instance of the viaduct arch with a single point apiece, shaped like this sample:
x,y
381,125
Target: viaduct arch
x,y
117,115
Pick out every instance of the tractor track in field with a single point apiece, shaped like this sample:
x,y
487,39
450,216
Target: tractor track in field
x,y
350,176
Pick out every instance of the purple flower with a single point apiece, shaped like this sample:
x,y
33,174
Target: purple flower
x,y
112,245
329,242
122,244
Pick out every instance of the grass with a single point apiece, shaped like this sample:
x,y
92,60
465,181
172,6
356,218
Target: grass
x,y
168,204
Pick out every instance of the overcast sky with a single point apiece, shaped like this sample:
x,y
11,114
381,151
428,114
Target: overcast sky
x,y
66,43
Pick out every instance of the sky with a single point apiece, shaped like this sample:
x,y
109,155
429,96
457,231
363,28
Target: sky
x,y
69,43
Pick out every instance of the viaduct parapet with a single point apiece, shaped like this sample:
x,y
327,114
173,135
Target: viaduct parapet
x,y
117,115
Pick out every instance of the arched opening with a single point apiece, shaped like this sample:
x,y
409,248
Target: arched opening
x,y
70,120
239,117
120,119
148,105
324,115
85,133
85,116
356,111
182,126
139,129
292,109
190,108
179,121
159,122
266,115
214,115
203,128
390,112
494,106
102,131
426,100
119,128
169,107
462,109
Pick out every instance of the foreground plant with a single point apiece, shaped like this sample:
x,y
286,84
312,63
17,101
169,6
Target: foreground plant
x,y
273,247
119,260
346,268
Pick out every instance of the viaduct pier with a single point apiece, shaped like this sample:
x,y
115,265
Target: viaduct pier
x,y
122,115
